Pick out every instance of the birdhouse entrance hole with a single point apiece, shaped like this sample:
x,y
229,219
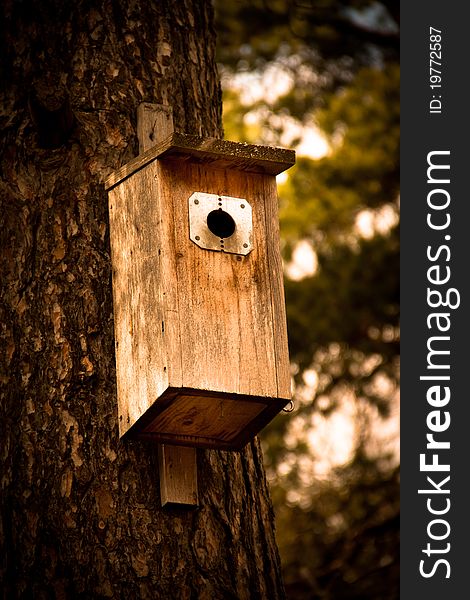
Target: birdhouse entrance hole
x,y
221,223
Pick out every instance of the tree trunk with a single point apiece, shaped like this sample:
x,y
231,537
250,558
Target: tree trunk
x,y
81,514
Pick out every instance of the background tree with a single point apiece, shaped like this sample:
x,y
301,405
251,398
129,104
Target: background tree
x,y
80,510
332,67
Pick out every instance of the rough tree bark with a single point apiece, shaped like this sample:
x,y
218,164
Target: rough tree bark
x,y
81,515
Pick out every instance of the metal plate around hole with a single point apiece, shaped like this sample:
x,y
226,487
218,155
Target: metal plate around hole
x,y
201,204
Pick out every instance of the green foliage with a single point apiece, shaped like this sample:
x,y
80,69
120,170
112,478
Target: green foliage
x,y
337,531
351,524
236,128
352,296
334,35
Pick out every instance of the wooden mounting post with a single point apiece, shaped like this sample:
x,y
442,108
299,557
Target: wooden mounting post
x,y
178,475
177,464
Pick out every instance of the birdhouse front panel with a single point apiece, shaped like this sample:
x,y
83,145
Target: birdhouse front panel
x,y
201,344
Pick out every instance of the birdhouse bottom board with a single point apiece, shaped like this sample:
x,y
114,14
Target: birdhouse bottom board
x,y
201,341
207,420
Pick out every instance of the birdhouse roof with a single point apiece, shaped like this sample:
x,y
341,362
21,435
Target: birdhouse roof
x,y
220,154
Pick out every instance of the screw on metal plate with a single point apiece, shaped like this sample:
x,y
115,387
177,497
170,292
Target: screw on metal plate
x,y
221,223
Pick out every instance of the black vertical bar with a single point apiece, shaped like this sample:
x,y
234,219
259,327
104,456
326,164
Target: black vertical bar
x,y
435,271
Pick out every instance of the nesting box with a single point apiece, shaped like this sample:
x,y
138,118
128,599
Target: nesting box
x,y
199,314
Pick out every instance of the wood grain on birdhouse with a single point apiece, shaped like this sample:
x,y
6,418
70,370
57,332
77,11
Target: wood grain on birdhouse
x,y
201,343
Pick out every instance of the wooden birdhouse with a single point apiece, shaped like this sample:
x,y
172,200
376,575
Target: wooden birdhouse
x,y
199,316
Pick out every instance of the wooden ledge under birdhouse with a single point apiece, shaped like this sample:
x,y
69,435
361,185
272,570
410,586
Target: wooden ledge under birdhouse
x,y
201,418
199,315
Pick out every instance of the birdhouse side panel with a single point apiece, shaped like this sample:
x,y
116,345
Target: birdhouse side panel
x,y
161,228
225,300
141,358
276,279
